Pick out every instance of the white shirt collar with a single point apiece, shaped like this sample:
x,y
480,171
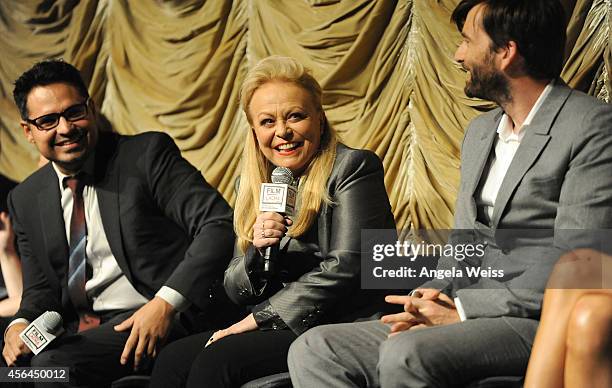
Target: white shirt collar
x,y
504,129
88,168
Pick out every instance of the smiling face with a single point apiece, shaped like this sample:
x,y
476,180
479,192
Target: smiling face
x,y
287,124
476,55
70,143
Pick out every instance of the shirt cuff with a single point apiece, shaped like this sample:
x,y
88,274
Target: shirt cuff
x,y
14,322
170,295
460,310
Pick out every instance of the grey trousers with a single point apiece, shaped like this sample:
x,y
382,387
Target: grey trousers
x,y
361,355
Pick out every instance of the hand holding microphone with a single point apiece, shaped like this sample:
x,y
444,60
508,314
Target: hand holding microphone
x,y
268,229
13,345
42,331
277,200
21,338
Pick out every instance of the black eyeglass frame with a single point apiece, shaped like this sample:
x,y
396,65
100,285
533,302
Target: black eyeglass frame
x,y
60,115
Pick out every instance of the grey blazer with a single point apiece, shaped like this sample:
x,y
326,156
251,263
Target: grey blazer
x,y
560,179
320,280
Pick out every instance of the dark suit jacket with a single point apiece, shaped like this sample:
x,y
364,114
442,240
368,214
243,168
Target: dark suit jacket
x,y
164,223
322,267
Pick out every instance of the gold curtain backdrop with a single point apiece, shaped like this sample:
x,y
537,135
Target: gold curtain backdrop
x,y
386,67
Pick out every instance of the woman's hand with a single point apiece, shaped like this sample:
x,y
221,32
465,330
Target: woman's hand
x,y
247,324
269,228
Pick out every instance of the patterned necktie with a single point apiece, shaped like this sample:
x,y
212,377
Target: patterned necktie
x,y
77,263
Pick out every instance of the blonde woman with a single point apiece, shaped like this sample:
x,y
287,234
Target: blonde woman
x,y
340,192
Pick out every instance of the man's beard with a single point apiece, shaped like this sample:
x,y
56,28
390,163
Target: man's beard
x,y
487,83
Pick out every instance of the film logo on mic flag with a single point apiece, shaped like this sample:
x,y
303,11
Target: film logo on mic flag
x,y
39,334
277,197
280,195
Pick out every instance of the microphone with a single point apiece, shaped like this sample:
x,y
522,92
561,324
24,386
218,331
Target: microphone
x,y
39,334
278,196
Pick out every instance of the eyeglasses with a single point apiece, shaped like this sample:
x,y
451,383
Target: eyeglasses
x,y
49,121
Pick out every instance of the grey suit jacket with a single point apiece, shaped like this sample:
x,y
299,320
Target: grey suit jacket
x,y
560,179
320,280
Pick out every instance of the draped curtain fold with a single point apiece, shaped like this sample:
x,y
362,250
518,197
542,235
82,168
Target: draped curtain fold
x,y
386,67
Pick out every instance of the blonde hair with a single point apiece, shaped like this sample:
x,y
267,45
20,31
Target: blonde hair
x,y
256,169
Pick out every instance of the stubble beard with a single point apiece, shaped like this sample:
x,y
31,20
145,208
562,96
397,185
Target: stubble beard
x,y
488,83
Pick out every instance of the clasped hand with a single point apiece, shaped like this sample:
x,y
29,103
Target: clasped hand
x,y
428,307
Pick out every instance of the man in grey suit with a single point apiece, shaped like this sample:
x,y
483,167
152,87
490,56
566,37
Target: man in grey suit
x,y
541,161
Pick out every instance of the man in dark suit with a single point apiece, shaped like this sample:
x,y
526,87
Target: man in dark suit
x,y
117,233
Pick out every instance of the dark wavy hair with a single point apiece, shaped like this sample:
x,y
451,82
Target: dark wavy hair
x,y
537,27
46,73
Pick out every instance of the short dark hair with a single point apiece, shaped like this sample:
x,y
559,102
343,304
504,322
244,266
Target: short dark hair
x,y
537,27
46,73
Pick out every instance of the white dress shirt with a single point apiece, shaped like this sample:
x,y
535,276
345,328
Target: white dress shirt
x,y
108,288
506,144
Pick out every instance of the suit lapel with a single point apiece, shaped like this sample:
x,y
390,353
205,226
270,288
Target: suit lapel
x,y
107,174
529,150
482,153
477,163
535,140
52,226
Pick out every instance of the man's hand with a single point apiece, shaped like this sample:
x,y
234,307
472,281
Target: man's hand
x,y
13,345
428,307
411,315
247,324
402,321
426,293
437,312
150,325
